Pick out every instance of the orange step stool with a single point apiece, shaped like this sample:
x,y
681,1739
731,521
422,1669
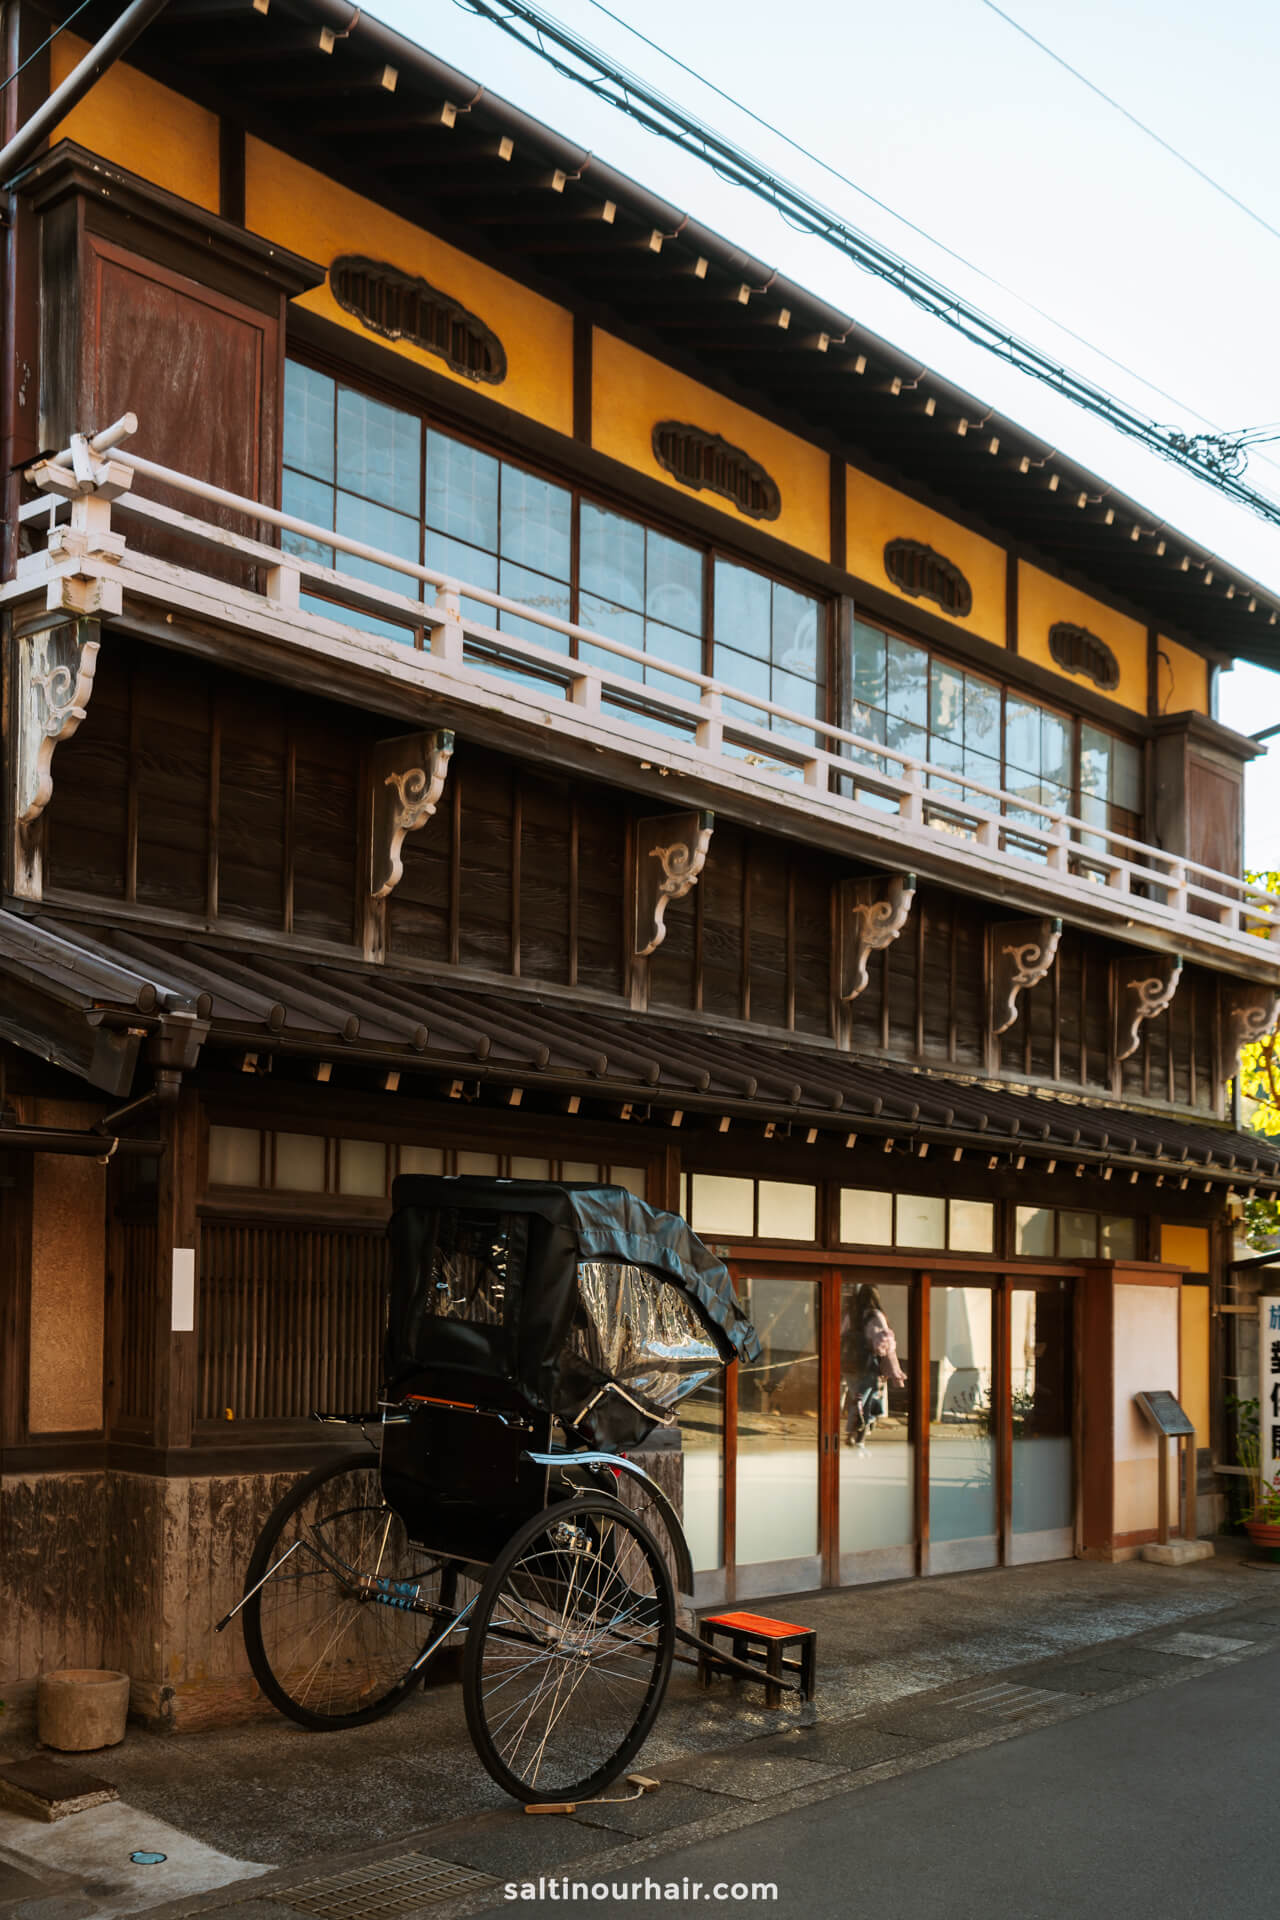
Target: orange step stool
x,y
762,1643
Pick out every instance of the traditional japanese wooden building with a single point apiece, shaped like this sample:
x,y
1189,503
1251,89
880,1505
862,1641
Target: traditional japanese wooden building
x,y
534,692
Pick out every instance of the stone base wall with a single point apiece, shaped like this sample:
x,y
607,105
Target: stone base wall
x,y
132,1571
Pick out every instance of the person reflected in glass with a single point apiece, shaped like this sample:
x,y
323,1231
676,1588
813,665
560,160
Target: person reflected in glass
x,y
869,1365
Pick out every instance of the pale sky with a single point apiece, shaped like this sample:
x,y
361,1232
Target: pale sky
x,y
944,112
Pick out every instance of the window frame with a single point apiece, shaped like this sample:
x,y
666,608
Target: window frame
x,y
1074,717
711,548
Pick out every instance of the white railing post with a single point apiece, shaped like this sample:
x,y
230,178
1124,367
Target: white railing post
x,y
284,586
709,732
1059,852
1176,887
911,805
446,639
584,692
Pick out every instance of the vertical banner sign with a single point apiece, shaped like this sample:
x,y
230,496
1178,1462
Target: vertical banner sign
x,y
1269,1388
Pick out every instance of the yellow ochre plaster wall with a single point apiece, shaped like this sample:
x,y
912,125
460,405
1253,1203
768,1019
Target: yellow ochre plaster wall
x,y
631,392
298,208
1193,1342
1185,1247
137,124
877,514
1182,679
1043,601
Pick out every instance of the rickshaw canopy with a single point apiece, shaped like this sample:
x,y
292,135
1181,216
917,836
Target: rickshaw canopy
x,y
593,1306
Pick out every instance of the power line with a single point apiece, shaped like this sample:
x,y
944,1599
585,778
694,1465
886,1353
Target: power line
x,y
1133,120
808,154
1205,455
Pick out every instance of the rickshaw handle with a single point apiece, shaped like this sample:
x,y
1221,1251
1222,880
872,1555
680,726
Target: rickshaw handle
x,y
620,1464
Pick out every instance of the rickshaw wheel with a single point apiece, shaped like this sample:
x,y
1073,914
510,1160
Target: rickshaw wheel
x,y
569,1650
322,1649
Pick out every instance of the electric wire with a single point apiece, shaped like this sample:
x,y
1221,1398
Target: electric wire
x,y
530,26
44,43
912,226
1134,121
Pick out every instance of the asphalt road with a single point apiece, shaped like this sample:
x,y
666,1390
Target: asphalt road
x,y
1162,1807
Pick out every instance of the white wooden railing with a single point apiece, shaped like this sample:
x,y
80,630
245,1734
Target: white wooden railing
x,y
89,484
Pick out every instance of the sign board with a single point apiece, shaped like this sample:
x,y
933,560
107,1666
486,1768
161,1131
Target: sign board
x,y
1164,1413
1268,1388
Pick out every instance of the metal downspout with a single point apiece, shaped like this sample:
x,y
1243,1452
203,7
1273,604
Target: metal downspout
x,y
136,16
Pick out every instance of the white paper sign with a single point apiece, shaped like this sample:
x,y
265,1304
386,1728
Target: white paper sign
x,y
183,1318
1269,1387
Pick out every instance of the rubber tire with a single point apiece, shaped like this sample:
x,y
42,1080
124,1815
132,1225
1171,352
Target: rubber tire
x,y
478,1629
283,1511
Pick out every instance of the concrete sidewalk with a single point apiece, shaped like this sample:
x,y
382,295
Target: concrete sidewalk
x,y
236,1805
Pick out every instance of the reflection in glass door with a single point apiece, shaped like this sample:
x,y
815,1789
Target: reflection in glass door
x,y
962,1430
876,1473
1040,1362
777,1533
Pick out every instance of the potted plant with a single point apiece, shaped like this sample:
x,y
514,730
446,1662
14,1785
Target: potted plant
x,y
1262,1522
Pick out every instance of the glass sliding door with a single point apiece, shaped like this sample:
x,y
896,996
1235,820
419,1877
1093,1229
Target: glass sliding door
x,y
963,1513
777,1530
702,1443
877,1527
1043,1508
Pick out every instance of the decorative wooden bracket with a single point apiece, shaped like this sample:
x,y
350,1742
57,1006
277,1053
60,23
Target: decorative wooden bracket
x,y
52,681
870,916
1140,997
670,853
408,779
1022,952
1249,1012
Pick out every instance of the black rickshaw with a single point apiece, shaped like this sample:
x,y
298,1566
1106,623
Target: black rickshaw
x,y
535,1333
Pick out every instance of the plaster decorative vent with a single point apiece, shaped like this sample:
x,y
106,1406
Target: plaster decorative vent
x,y
703,460
1077,650
926,575
399,306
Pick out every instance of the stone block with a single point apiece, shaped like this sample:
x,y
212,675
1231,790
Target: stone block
x,y
1177,1553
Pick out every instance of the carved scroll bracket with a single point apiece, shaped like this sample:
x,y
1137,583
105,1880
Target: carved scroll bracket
x,y
1249,1013
1139,997
52,681
670,853
408,779
1022,952
870,916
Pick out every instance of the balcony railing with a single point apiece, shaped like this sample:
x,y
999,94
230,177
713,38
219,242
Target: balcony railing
x,y
587,682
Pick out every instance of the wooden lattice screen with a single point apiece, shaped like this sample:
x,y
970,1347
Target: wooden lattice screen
x,y
290,1319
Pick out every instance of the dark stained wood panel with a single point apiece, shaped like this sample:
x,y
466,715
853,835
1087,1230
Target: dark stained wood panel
x,y
87,818
768,894
171,732
486,787
721,890
326,827
601,895
1214,815
251,813
546,834
195,367
811,941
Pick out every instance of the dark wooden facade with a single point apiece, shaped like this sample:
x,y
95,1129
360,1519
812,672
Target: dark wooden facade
x,y
216,809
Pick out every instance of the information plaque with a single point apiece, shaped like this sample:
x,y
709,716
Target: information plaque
x,y
1165,1415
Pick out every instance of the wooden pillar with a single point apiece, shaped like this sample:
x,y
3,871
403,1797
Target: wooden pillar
x,y
177,1279
1095,1375
15,1294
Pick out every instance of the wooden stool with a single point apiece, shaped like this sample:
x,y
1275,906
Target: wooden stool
x,y
760,1642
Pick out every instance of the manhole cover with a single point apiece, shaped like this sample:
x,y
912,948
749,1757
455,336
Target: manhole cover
x,y
382,1888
